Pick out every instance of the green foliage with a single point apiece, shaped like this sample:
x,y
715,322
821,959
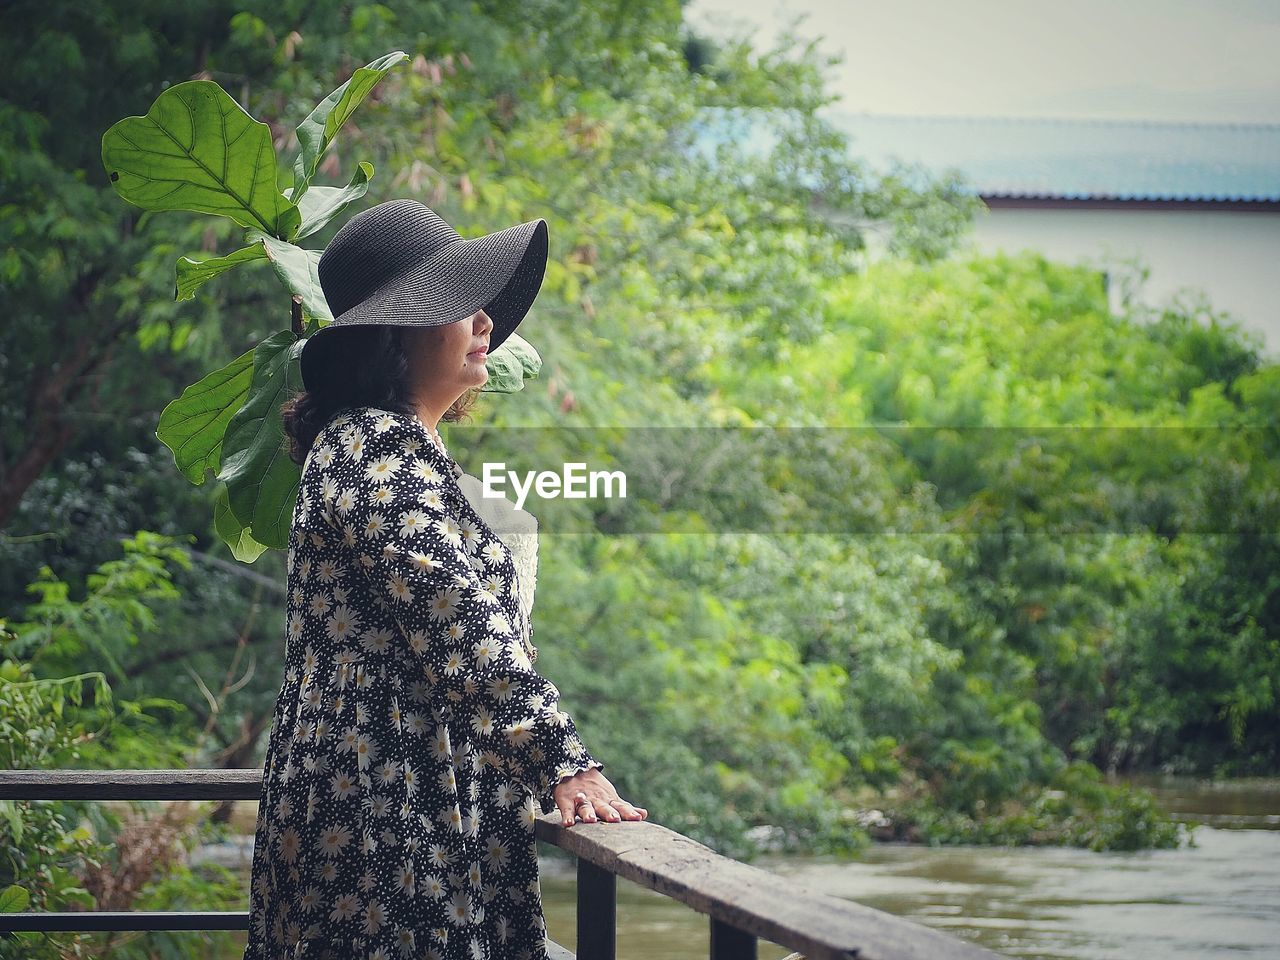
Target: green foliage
x,y
14,899
511,364
261,481
43,844
299,271
321,204
195,425
1141,636
118,608
197,149
50,720
323,123
192,274
1074,809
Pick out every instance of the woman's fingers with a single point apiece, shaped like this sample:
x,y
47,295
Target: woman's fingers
x,y
566,807
596,807
606,810
629,811
616,810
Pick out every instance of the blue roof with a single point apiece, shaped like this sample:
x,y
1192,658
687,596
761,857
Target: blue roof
x,y
1072,159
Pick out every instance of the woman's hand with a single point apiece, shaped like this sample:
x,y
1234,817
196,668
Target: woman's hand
x,y
591,796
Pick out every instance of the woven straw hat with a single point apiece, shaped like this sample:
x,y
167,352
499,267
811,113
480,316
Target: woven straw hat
x,y
400,263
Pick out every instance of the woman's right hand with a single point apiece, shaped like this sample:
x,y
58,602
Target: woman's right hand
x,y
589,794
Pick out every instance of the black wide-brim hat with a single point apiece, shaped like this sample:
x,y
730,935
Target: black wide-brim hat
x,y
400,263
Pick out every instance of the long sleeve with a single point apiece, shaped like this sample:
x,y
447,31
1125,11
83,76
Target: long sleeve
x,y
393,510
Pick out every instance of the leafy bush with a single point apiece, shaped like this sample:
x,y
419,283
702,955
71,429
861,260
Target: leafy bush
x,y
83,855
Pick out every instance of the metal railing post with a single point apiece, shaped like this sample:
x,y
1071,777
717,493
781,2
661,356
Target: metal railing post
x,y
597,912
730,943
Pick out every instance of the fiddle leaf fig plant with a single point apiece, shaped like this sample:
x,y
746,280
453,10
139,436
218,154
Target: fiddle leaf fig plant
x,y
197,149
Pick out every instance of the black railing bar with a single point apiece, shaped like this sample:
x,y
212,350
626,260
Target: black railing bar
x,y
228,784
82,921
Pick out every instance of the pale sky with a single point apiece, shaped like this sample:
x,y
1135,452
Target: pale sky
x,y
1213,60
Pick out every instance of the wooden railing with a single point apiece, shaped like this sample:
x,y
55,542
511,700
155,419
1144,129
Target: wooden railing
x,y
744,904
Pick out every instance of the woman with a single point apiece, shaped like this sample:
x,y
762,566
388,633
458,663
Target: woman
x,y
414,744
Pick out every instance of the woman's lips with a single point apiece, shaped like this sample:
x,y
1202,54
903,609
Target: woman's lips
x,y
480,354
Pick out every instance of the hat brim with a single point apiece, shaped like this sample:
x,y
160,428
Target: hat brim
x,y
500,272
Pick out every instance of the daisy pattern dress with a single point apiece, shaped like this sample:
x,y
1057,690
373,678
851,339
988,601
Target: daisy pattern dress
x,y
413,744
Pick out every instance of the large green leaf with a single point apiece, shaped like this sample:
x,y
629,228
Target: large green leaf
x,y
234,533
317,131
262,482
14,899
197,149
319,205
510,364
192,274
298,270
194,424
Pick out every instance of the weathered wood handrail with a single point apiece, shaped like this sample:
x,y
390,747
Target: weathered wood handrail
x,y
744,903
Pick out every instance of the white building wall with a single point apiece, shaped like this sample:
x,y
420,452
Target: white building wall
x,y
1230,258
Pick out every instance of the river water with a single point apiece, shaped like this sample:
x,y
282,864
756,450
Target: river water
x,y
1217,899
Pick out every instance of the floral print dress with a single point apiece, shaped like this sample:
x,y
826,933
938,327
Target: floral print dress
x,y
413,744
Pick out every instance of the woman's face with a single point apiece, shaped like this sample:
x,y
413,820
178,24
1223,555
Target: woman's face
x,y
443,358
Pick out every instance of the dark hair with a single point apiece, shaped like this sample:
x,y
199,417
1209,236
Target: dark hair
x,y
360,366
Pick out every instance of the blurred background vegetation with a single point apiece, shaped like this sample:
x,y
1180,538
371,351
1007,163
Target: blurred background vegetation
x,y
974,675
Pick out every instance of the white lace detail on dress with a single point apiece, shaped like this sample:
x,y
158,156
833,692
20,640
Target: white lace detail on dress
x,y
518,529
524,552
